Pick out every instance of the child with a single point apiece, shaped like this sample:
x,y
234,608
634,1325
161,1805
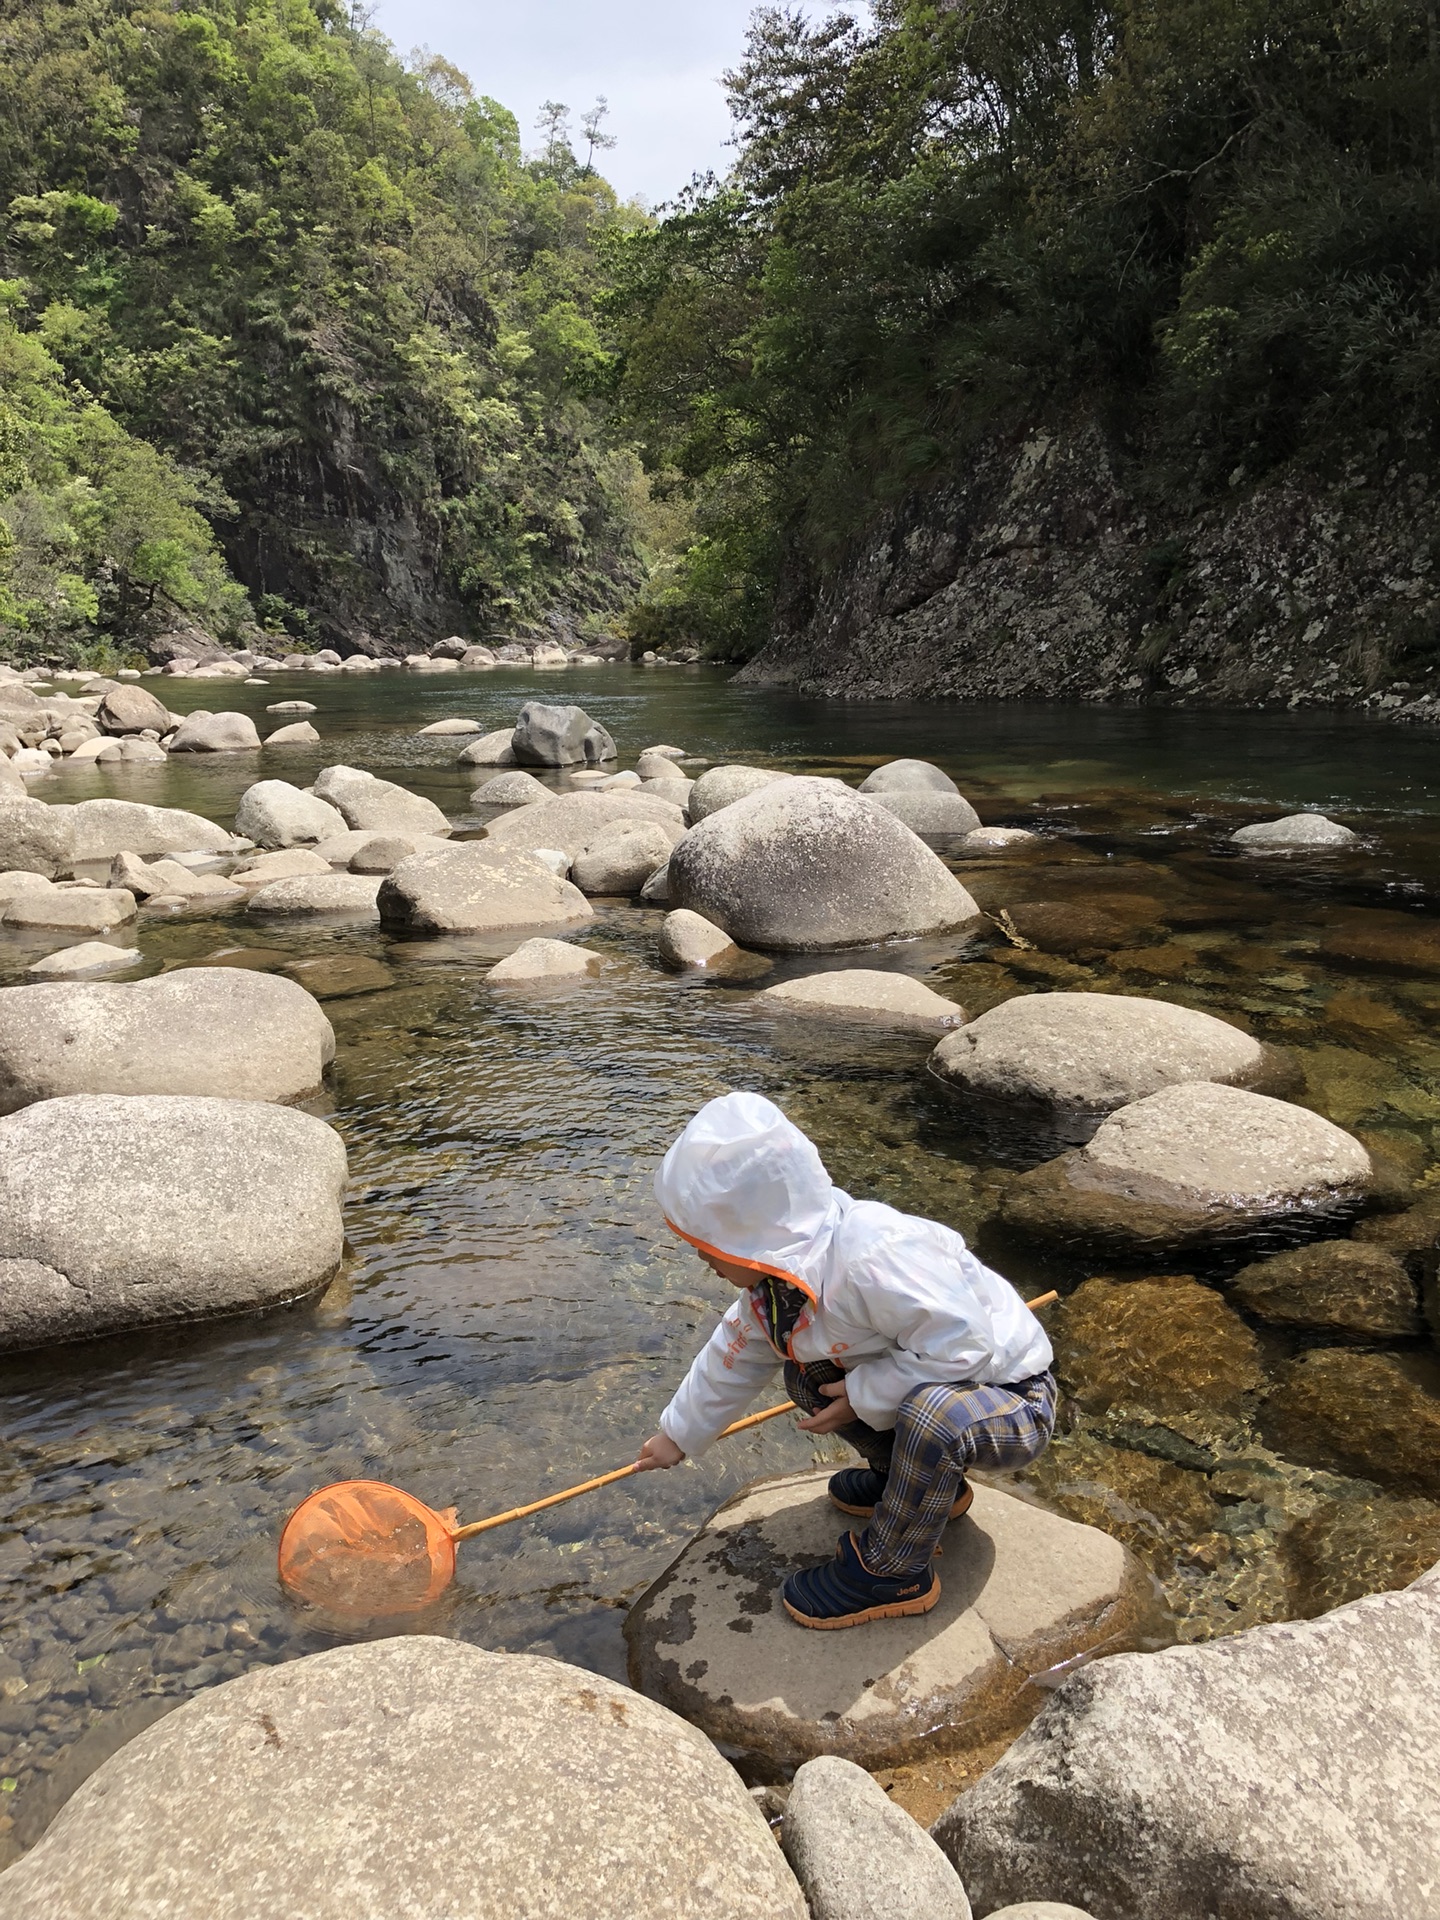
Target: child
x,y
892,1333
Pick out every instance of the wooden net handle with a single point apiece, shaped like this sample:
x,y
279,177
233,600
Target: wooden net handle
x,y
624,1473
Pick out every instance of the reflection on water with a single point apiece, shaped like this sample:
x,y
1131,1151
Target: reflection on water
x,y
513,1313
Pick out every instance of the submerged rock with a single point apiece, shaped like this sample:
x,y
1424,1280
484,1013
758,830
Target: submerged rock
x,y
806,865
1358,1413
861,993
275,814
1056,926
1167,1345
1194,1166
1296,830
1072,1058
1391,942
908,776
1023,1590
544,960
858,1856
1291,1771
193,1208
378,806
1337,1286
526,1789
443,729
336,976
233,1035
474,887
90,956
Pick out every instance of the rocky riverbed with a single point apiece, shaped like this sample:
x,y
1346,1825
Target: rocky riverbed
x,y
1251,1400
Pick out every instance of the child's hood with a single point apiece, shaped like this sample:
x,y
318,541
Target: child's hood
x,y
745,1184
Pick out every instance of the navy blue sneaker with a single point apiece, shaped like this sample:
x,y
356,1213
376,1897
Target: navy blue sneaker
x,y
858,1490
844,1592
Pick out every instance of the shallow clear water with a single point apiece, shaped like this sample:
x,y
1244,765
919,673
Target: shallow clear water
x,y
514,1314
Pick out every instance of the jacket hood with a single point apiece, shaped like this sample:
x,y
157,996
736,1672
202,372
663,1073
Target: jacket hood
x,y
744,1183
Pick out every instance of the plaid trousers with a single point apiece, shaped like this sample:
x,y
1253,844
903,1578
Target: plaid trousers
x,y
939,1433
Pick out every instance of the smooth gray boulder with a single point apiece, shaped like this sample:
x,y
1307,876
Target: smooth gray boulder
x,y
621,857
351,894
275,814
490,750
807,865
383,852
656,890
688,940
1295,830
293,706
1291,1771
570,821
132,710
34,837
192,1208
300,733
415,1778
864,994
1075,1057
908,776
475,887
102,828
1022,1590
655,765
261,868
516,789
941,815
378,806
70,909
215,733
548,736
858,1856
1194,1166
216,1031
443,729
544,960
722,786
89,957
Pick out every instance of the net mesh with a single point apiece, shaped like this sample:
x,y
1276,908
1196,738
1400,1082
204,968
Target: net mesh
x,y
360,1547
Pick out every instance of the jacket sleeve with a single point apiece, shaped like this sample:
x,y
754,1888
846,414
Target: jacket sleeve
x,y
724,1377
932,1332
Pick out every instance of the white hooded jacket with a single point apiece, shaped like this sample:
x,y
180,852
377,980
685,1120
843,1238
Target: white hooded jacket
x,y
897,1302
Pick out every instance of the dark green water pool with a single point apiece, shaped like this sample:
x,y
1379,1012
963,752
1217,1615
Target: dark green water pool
x,y
514,1314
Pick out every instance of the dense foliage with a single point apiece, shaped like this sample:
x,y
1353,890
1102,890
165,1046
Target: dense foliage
x,y
270,293
1213,223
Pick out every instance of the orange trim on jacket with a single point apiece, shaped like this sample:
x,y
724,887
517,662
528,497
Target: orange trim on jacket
x,y
754,1266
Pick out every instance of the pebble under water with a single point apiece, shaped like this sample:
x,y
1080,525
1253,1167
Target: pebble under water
x,y
513,1314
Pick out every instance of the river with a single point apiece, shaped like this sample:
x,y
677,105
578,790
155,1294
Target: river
x,y
513,1314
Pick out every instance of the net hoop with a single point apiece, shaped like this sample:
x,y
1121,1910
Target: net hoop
x,y
366,1549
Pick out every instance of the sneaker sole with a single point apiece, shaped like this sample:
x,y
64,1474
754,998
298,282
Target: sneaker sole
x,y
962,1505
896,1610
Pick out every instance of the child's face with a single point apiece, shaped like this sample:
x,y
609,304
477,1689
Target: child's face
x,y
737,1275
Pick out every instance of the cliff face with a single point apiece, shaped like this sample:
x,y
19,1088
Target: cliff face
x,y
1044,573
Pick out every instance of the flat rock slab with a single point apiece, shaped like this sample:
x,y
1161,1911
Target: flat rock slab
x,y
1022,1591
1291,1772
410,1779
865,994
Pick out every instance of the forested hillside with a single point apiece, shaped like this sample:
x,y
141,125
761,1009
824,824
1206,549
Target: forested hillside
x,y
290,330
1139,270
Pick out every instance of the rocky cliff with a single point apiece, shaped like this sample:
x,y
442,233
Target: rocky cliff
x,y
1053,569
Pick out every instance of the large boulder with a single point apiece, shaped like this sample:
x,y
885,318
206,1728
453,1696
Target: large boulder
x,y
1296,830
1071,1058
215,733
722,786
34,837
490,750
860,1857
132,710
274,814
621,857
417,1778
218,1031
570,821
475,887
547,736
103,828
351,894
806,865
940,815
1288,1771
70,909
1022,1591
1195,1166
378,806
908,776
866,995
189,1208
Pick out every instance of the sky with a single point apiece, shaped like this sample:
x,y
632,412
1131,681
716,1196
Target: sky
x,y
657,62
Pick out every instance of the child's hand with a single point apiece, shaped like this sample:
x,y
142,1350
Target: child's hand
x,y
658,1451
838,1414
